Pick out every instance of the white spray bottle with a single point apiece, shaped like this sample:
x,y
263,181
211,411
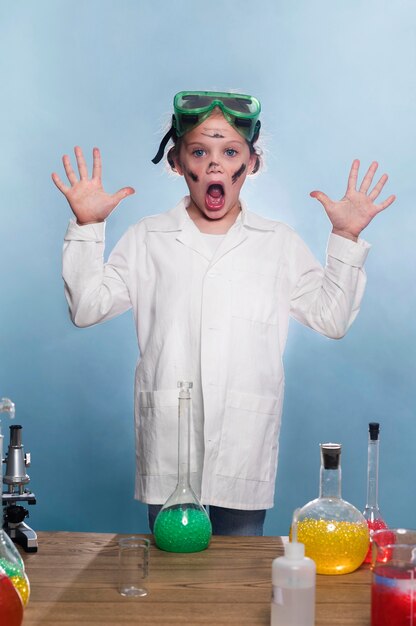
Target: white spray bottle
x,y
293,579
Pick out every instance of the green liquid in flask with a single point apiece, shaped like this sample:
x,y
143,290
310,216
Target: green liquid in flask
x,y
182,528
182,524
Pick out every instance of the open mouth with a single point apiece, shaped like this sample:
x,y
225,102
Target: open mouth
x,y
215,197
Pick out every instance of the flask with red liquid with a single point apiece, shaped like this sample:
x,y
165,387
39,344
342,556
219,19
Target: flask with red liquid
x,y
393,589
11,605
372,512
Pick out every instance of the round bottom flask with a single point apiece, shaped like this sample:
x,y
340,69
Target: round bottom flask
x,y
183,528
182,524
11,605
11,564
334,532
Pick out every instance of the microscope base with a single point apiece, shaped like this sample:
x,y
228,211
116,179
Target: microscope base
x,y
22,534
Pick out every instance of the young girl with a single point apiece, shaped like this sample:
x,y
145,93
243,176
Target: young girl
x,y
212,286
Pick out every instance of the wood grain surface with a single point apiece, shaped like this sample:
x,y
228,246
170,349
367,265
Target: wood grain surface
x,y
73,580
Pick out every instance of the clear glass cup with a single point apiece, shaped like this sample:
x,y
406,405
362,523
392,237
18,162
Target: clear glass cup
x,y
133,566
393,589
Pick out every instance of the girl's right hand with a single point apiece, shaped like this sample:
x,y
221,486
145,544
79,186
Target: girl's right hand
x,y
86,196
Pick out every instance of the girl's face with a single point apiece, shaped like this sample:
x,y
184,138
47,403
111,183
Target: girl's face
x,y
215,160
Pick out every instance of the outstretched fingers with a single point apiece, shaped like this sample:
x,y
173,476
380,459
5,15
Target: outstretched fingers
x,y
60,184
96,164
82,166
378,188
322,197
368,178
386,203
72,177
123,193
353,175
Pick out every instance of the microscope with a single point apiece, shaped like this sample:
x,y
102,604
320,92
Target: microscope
x,y
16,479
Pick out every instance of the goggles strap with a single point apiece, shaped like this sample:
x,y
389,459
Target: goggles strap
x,y
256,132
171,133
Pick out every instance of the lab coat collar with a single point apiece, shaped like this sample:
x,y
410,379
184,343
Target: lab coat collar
x,y
252,220
177,219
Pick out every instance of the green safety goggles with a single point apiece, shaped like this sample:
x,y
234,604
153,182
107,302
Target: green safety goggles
x,y
193,107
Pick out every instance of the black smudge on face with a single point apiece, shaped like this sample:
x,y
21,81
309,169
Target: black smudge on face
x,y
193,176
238,173
216,135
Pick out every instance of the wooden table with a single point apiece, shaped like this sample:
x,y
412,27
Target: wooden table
x,y
73,580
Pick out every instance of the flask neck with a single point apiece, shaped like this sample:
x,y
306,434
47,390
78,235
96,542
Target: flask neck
x,y
372,474
184,414
330,484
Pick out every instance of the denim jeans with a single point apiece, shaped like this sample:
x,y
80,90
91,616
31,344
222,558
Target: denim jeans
x,y
225,521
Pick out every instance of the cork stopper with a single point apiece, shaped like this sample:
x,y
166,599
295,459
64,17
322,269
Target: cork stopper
x,y
374,430
330,455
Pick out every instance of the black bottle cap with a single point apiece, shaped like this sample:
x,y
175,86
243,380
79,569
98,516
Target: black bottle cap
x,y
374,430
331,455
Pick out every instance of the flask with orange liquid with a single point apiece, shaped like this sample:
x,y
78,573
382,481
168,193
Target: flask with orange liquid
x,y
334,532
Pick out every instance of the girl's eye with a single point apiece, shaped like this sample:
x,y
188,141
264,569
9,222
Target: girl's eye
x,y
230,152
198,152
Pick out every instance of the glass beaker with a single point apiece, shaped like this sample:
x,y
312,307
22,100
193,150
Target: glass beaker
x,y
133,566
182,524
334,532
393,589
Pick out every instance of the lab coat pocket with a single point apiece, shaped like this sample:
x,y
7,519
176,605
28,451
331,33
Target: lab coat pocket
x,y
249,436
157,432
254,293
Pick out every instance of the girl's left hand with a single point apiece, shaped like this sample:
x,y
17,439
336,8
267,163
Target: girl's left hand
x,y
350,215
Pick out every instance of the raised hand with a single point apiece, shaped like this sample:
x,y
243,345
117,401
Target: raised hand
x,y
86,196
350,215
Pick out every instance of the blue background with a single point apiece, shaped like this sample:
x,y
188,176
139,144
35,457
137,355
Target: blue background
x,y
337,81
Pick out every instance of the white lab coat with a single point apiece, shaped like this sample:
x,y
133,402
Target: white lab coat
x,y
221,323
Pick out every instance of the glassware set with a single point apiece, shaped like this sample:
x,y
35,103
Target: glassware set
x,y
336,536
